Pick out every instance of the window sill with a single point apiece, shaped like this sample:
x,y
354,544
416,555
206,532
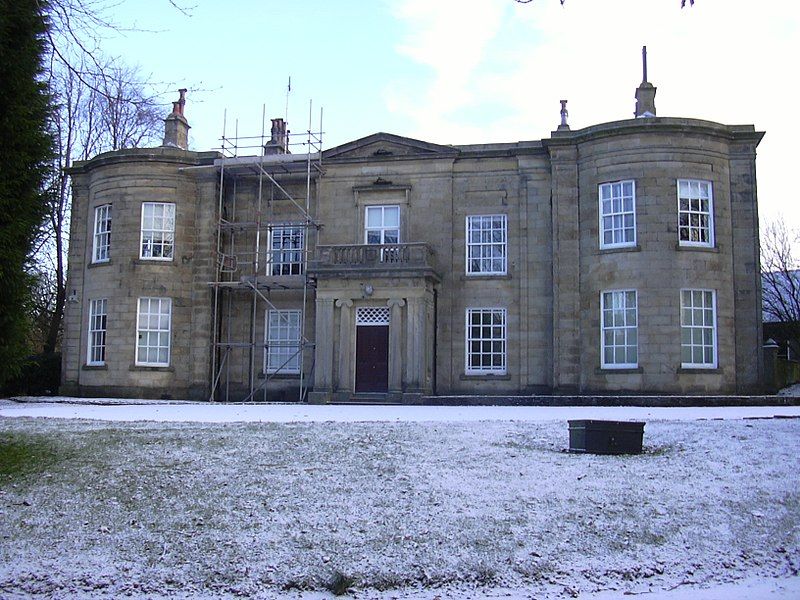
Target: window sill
x,y
166,369
621,371
103,367
615,249
99,263
482,276
683,247
155,261
279,375
484,377
699,370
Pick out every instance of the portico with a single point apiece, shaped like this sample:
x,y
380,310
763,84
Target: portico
x,y
374,323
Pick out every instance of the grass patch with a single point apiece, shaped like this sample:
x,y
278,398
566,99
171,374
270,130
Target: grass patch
x,y
23,454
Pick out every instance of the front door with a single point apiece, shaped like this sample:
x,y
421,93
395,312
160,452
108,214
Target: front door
x,y
372,358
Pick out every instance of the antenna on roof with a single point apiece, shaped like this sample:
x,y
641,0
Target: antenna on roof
x,y
288,89
644,64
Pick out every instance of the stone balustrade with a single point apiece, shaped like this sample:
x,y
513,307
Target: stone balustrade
x,y
367,257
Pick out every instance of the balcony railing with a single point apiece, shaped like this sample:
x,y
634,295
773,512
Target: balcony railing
x,y
372,257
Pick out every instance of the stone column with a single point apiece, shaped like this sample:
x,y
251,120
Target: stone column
x,y
415,345
344,375
323,374
395,345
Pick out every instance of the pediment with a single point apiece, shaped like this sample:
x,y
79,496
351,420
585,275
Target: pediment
x,y
386,146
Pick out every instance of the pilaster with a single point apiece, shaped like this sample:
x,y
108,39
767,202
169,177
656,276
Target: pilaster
x,y
415,344
344,375
395,345
323,352
566,267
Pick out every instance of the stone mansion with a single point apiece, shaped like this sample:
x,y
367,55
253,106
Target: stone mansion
x,y
618,258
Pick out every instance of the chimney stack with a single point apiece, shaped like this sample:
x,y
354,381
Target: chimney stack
x,y
645,93
279,138
176,127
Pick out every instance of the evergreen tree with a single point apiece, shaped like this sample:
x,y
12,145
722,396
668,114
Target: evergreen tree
x,y
25,154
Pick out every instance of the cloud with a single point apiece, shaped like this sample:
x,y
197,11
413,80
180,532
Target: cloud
x,y
450,38
497,69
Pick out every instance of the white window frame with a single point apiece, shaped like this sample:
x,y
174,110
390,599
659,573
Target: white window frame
x,y
101,241
382,229
485,246
163,236
696,212
693,328
96,341
615,214
146,326
278,265
620,323
281,341
470,368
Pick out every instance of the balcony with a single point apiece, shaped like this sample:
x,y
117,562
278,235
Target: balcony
x,y
373,260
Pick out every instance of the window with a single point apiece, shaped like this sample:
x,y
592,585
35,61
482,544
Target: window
x,y
282,341
286,251
486,341
158,230
617,214
695,213
153,325
619,321
382,225
698,329
102,234
486,245
97,332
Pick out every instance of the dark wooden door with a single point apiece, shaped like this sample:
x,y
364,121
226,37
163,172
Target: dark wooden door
x,y
372,358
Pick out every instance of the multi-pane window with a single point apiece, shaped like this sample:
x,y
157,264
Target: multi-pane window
x,y
101,247
617,214
486,341
619,322
153,324
382,225
486,244
695,213
158,230
698,329
97,332
286,251
282,341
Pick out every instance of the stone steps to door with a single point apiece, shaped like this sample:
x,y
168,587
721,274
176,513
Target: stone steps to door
x,y
367,398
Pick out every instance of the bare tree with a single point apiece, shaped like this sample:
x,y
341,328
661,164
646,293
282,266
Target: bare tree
x,y
112,112
780,279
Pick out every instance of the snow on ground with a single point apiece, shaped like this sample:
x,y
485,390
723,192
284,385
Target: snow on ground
x,y
106,409
407,502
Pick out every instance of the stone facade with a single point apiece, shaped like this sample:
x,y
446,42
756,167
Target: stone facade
x,y
531,325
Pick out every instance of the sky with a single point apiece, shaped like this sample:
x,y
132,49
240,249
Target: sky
x,y
473,71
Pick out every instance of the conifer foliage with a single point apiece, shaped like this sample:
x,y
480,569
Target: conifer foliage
x,y
25,155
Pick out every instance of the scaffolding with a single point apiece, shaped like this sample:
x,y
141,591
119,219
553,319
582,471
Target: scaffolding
x,y
265,234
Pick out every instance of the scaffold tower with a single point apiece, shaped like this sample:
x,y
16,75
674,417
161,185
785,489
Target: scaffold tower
x,y
266,231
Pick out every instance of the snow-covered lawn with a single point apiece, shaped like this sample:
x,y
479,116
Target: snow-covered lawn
x,y
459,504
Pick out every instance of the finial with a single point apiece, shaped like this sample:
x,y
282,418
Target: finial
x,y
645,93
644,64
564,115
